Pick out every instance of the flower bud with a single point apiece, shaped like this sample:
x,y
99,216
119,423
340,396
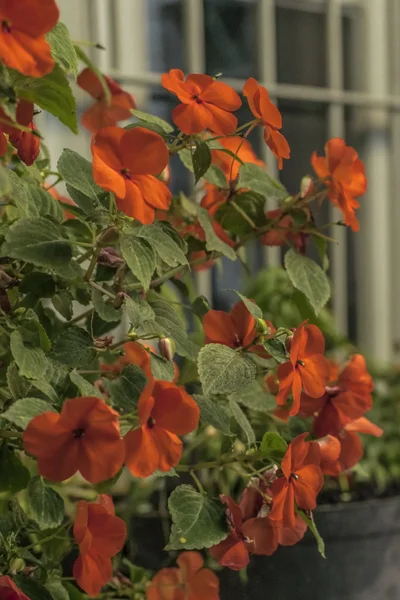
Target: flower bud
x,y
109,236
109,257
262,327
27,144
306,186
119,299
167,348
166,175
17,564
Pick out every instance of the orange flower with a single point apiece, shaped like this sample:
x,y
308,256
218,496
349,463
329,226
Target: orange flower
x,y
235,329
100,535
280,234
125,162
344,176
134,354
307,368
27,144
270,117
188,582
165,411
342,403
9,591
300,483
206,103
84,437
23,45
102,114
351,446
243,151
214,198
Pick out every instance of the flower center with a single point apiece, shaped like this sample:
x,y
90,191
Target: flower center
x,y
197,99
301,363
78,433
150,422
6,27
294,476
126,174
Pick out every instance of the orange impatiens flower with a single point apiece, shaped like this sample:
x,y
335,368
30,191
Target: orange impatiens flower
x,y
351,447
9,590
102,114
23,26
205,103
344,176
125,162
300,483
243,151
100,535
85,437
235,329
188,582
26,143
307,367
346,400
165,412
270,118
281,233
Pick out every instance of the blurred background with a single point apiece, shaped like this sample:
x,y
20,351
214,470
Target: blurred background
x,y
333,68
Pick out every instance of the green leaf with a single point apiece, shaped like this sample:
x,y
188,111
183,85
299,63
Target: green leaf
x,y
37,241
215,176
201,306
14,475
5,183
273,446
230,214
31,361
161,368
57,590
85,388
105,308
251,306
74,593
222,370
163,244
256,178
313,528
242,421
147,118
24,410
276,349
62,302
52,93
62,49
213,242
77,172
254,397
214,413
46,506
40,284
18,385
32,588
197,521
127,389
137,310
321,245
309,278
74,348
201,159
140,258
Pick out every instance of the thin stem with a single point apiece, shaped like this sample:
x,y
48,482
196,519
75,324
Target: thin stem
x,y
4,433
217,464
78,318
244,215
98,287
92,264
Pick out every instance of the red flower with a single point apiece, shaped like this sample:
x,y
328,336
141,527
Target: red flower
x,y
188,582
280,234
235,329
9,591
100,535
84,437
307,368
342,403
206,103
243,151
351,446
270,117
23,45
27,144
344,176
300,483
102,114
165,411
214,198
125,162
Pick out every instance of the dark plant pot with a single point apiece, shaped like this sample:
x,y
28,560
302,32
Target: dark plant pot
x,y
362,558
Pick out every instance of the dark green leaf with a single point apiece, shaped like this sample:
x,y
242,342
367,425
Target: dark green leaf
x,y
230,214
213,242
74,348
18,385
163,244
242,421
147,118
31,361
14,475
105,308
46,506
255,178
77,172
127,389
85,388
5,183
24,410
201,306
253,396
38,283
57,590
201,159
273,446
309,278
313,528
276,349
140,258
161,368
198,521
213,412
74,593
62,49
222,370
32,588
33,201
52,93
62,302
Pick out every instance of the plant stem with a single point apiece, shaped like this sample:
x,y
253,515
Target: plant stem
x,y
216,464
92,264
244,215
4,433
98,287
78,318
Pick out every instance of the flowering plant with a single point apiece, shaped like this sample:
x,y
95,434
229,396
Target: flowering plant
x,y
110,364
